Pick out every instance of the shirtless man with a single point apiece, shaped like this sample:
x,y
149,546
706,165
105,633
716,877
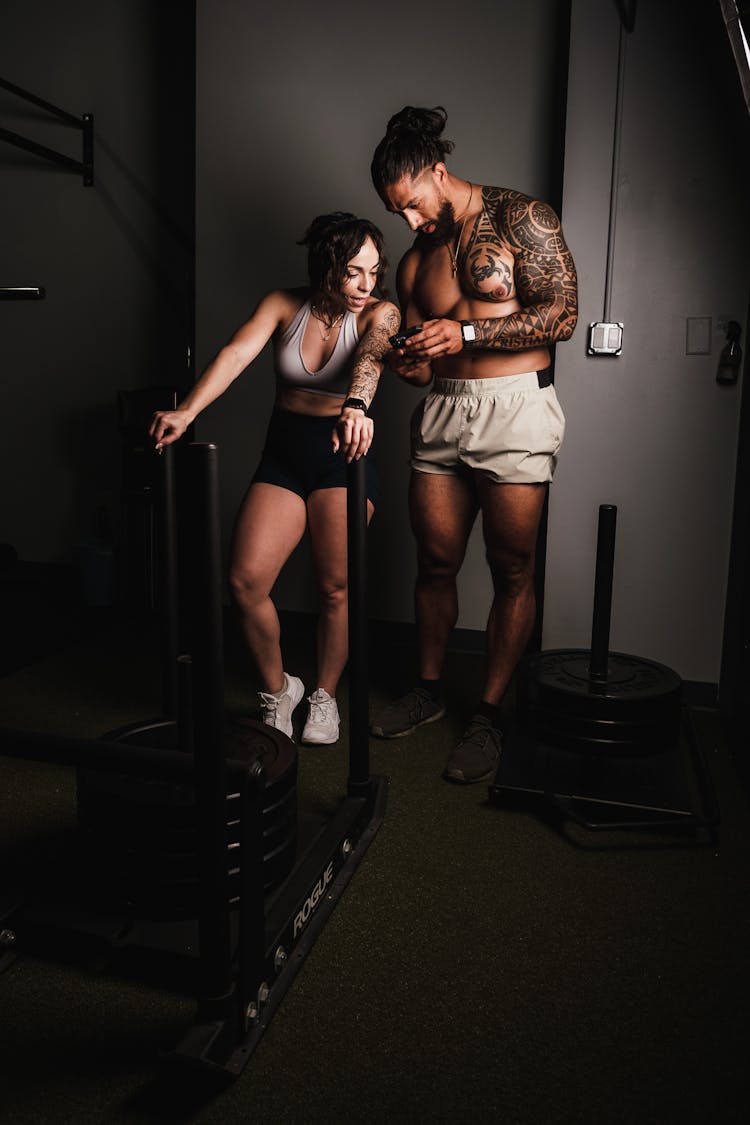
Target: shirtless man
x,y
492,284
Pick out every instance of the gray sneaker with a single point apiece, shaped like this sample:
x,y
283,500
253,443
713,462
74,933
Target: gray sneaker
x,y
276,709
477,754
406,714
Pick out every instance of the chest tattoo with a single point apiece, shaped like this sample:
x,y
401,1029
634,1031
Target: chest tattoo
x,y
489,265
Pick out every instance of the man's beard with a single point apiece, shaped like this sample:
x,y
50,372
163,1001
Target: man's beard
x,y
445,225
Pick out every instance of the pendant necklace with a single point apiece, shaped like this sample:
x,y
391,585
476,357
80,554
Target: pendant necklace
x,y
319,321
454,253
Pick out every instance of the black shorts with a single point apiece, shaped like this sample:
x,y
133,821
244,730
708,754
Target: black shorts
x,y
298,456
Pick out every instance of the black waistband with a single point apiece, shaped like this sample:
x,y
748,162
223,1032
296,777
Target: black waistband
x,y
544,377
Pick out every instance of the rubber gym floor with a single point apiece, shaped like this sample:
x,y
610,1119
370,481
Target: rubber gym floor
x,y
485,965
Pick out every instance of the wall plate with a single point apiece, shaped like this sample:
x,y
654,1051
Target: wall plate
x,y
605,338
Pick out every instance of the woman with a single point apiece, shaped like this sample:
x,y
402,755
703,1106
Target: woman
x,y
330,340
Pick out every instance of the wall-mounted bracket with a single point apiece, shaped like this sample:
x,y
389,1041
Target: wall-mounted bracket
x,y
85,166
22,293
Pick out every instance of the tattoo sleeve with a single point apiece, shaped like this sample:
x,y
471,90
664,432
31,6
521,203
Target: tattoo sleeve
x,y
545,276
368,358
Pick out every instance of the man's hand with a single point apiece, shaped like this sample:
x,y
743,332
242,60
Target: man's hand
x,y
352,434
412,369
437,338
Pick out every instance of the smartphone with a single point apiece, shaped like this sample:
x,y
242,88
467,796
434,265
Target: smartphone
x,y
399,339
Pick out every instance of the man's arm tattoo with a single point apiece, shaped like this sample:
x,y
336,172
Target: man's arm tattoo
x,y
368,359
544,272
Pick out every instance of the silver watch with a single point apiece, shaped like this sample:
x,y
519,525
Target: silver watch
x,y
468,332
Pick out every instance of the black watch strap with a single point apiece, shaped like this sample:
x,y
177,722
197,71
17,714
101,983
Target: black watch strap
x,y
355,404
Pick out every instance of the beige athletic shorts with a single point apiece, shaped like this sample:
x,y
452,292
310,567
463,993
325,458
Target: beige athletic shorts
x,y
509,428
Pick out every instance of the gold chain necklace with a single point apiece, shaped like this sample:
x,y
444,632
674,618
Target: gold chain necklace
x,y
319,321
454,253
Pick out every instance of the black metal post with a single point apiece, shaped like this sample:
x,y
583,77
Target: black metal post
x,y
204,590
169,581
359,739
185,722
605,565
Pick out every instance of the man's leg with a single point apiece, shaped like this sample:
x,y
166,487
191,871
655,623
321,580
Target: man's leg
x,y
510,517
442,509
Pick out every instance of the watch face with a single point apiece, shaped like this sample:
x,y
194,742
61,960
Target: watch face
x,y
468,332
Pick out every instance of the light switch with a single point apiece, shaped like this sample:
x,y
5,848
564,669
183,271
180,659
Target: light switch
x,y
698,335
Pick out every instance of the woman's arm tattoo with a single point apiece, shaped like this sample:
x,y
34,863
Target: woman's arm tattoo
x,y
368,358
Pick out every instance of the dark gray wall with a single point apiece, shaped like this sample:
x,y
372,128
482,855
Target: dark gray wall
x,y
115,259
292,100
651,431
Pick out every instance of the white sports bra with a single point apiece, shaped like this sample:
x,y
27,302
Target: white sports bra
x,y
334,376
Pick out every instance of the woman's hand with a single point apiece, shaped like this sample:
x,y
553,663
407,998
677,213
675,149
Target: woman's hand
x,y
167,426
352,433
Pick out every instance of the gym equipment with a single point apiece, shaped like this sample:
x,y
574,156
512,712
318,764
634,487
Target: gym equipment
x,y
210,809
84,166
603,731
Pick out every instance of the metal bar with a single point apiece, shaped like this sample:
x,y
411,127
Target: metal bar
x,y
359,744
104,756
21,293
615,177
42,150
605,564
13,89
204,593
168,581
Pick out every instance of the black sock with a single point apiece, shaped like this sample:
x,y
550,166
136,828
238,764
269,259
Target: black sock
x,y
490,711
435,689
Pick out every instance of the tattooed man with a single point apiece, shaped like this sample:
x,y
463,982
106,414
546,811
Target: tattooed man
x,y
491,284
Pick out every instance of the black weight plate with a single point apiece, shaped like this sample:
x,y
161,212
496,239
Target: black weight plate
x,y
141,832
560,679
654,741
610,729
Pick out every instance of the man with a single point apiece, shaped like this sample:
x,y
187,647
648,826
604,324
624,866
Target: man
x,y
492,284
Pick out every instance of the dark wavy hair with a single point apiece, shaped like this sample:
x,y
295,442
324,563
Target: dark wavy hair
x,y
332,241
413,141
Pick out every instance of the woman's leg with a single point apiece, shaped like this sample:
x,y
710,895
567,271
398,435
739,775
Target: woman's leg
x,y
269,525
326,513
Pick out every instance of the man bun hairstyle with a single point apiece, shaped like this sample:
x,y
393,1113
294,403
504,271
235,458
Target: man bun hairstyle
x,y
332,241
413,141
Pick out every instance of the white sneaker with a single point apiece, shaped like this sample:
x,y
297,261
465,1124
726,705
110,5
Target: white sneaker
x,y
322,726
276,709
